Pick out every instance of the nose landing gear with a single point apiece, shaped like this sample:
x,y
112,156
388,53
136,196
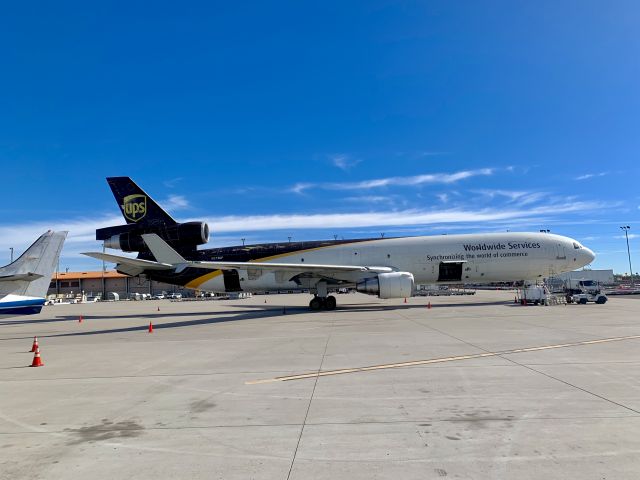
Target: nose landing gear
x,y
326,303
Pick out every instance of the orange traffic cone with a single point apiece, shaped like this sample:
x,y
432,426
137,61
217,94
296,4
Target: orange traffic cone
x,y
158,308
80,319
405,299
34,347
265,300
37,361
150,327
429,305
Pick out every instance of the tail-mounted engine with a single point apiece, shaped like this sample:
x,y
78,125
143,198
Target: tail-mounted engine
x,y
388,285
181,236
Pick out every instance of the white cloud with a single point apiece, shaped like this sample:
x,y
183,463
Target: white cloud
x,y
175,202
171,183
587,176
300,188
520,197
388,218
82,234
631,236
344,161
432,178
365,199
415,180
431,154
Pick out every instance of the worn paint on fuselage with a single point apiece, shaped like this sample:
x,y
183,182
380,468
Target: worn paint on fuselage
x,y
498,257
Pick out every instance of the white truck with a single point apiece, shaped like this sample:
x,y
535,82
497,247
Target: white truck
x,y
582,291
534,294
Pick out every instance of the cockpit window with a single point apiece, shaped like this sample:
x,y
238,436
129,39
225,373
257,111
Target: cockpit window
x,y
577,246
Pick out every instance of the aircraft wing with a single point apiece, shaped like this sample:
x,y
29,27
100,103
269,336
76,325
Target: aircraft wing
x,y
171,260
167,255
295,267
133,262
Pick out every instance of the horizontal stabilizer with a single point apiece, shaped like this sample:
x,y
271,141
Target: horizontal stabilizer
x,y
134,262
27,277
162,250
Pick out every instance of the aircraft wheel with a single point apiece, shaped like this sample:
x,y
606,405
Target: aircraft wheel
x,y
315,303
330,303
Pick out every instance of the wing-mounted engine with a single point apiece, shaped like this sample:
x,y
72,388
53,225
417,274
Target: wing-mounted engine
x,y
128,238
388,285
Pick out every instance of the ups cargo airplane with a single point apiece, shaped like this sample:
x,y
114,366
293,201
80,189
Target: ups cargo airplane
x,y
386,267
24,283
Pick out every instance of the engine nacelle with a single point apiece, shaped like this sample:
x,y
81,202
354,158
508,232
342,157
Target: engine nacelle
x,y
388,285
182,235
190,233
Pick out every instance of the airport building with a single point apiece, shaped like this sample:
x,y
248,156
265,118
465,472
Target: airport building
x,y
106,284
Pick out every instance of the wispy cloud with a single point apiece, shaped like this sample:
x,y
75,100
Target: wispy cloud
x,y
514,196
367,199
410,181
391,218
432,154
175,203
301,187
631,236
344,161
587,176
172,182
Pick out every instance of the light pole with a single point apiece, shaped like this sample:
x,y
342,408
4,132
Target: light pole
x,y
626,229
11,248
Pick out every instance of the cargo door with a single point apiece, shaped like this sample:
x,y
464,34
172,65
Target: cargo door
x,y
231,281
450,272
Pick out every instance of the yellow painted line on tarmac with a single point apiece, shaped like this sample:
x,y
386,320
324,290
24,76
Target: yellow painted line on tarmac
x,y
327,373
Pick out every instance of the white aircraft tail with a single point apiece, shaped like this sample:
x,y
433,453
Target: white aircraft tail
x,y
30,275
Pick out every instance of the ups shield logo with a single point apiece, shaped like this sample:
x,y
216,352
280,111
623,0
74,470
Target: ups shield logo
x,y
134,207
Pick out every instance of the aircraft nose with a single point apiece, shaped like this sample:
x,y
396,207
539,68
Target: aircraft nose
x,y
589,255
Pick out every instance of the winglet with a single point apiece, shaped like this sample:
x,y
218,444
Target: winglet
x,y
162,250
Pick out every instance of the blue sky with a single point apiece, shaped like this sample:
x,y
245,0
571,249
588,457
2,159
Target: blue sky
x,y
314,119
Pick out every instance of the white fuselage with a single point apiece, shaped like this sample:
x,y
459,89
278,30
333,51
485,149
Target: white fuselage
x,y
471,258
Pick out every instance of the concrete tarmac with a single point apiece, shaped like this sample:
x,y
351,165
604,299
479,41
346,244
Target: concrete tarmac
x,y
212,392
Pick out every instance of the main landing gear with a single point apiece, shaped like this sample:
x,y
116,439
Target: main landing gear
x,y
326,303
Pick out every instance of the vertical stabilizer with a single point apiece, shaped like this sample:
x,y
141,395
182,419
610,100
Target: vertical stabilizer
x,y
30,275
136,206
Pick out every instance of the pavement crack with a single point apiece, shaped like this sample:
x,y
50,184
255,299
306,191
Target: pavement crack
x,y
306,415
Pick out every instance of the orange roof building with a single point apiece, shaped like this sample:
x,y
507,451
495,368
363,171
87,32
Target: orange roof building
x,y
100,284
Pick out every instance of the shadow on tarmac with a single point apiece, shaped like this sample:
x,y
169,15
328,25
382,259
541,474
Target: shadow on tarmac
x,y
257,312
